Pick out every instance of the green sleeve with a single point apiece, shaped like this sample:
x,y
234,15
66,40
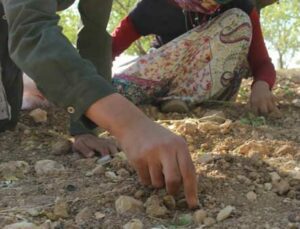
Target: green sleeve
x,y
38,47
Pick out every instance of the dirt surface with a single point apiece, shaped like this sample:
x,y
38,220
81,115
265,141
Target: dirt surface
x,y
248,166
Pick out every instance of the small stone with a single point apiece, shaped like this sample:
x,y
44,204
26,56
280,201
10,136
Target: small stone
x,y
39,115
85,163
48,167
126,204
71,188
83,216
21,225
199,216
98,171
251,196
61,147
296,102
225,213
134,224
154,207
14,169
123,172
244,179
268,186
282,187
182,204
209,221
99,215
169,202
275,177
251,147
139,194
61,208
206,158
294,217
33,212
185,220
104,160
111,175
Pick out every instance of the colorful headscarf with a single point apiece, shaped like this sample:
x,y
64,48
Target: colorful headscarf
x,y
197,5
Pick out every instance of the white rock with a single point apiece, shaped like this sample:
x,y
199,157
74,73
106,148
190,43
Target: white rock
x,y
296,102
98,171
99,215
126,204
48,167
282,187
21,225
209,221
111,175
134,224
268,186
275,177
199,216
251,196
39,115
225,213
104,160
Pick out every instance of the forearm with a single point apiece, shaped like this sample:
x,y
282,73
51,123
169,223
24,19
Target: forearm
x,y
115,114
39,48
259,60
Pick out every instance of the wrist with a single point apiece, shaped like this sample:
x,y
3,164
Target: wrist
x,y
115,114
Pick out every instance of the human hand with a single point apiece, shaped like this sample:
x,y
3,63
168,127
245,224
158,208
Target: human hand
x,y
160,157
262,100
88,145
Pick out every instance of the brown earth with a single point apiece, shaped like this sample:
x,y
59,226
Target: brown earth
x,y
247,162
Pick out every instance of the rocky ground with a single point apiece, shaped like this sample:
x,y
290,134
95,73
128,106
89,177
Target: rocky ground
x,y
248,167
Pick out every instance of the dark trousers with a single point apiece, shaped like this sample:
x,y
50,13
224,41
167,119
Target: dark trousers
x,y
11,77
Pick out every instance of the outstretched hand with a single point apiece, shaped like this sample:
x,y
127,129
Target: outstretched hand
x,y
160,157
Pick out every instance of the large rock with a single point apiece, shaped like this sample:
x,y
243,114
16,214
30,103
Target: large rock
x,y
48,167
127,204
21,225
14,169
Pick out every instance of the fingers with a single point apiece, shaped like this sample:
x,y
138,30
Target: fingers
x,y
189,177
157,177
83,149
143,173
172,175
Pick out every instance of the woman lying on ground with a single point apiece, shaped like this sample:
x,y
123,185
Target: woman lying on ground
x,y
205,49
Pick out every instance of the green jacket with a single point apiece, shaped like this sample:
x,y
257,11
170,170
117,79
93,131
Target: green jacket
x,y
73,79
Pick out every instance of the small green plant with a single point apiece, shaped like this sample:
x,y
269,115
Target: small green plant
x,y
253,120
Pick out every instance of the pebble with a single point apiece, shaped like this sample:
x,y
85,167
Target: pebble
x,y
185,219
83,216
104,160
244,179
134,224
282,187
275,177
206,158
33,212
154,207
39,115
251,196
61,208
294,217
169,202
225,213
48,167
99,215
296,102
111,175
85,163
139,194
209,221
98,171
199,216
14,169
123,172
21,225
252,147
268,186
126,204
61,147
